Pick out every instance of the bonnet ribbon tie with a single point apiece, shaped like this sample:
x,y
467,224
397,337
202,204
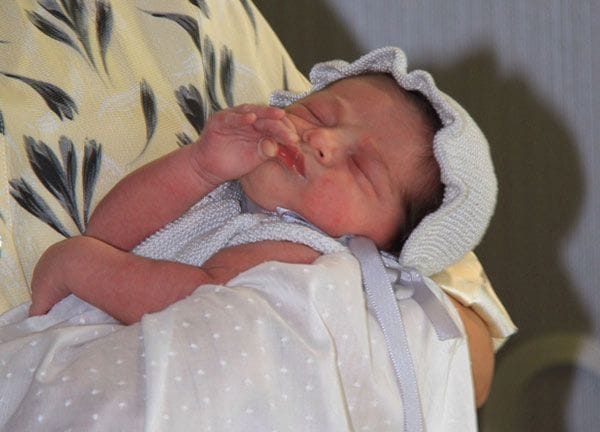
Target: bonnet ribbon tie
x,y
409,278
381,300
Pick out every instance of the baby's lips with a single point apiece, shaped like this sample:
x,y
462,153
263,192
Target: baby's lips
x,y
291,158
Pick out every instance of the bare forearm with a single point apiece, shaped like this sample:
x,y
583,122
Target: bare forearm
x,y
147,199
127,286
481,352
233,143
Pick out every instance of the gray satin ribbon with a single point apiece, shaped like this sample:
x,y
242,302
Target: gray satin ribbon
x,y
382,301
445,328
378,281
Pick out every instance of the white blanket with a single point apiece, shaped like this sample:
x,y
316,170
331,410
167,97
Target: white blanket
x,y
282,347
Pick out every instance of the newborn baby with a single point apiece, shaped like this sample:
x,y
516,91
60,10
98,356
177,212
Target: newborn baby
x,y
355,158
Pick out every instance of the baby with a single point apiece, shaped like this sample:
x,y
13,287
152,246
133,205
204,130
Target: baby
x,y
353,158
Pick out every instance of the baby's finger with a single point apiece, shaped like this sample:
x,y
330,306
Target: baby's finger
x,y
37,308
261,111
42,301
288,123
232,119
277,130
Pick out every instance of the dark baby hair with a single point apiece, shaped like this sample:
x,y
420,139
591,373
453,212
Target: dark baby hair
x,y
430,194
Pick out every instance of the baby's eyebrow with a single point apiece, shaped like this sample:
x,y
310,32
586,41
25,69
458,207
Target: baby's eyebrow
x,y
328,109
305,108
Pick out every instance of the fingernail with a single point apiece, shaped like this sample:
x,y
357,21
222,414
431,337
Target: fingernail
x,y
268,147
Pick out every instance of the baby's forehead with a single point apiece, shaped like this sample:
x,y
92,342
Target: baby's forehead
x,y
374,82
380,77
380,92
377,94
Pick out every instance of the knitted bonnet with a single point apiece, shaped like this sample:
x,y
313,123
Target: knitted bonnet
x,y
460,148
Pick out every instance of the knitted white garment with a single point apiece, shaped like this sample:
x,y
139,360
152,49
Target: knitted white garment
x,y
462,152
217,221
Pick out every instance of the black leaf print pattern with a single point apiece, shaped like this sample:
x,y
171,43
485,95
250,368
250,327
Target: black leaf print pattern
x,y
73,14
191,103
54,9
188,23
1,124
31,201
201,4
183,139
104,24
69,160
56,99
51,30
226,74
248,8
53,175
285,84
149,107
77,12
89,171
210,75
59,180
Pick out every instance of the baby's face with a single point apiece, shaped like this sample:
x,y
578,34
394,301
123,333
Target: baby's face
x,y
360,141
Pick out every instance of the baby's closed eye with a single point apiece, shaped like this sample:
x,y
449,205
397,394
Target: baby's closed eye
x,y
361,165
361,171
372,165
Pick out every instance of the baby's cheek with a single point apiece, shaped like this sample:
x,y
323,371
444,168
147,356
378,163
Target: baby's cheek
x,y
327,207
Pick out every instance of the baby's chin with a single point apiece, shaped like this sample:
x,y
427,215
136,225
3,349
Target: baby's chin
x,y
258,186
272,185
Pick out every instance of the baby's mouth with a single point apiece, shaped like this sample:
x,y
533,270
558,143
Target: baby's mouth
x,y
292,158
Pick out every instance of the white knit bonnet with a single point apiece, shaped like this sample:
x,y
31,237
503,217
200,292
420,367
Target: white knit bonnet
x,y
460,148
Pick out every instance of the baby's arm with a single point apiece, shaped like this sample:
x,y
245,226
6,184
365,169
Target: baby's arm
x,y
161,191
127,286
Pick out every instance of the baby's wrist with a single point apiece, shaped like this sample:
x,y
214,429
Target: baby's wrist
x,y
201,169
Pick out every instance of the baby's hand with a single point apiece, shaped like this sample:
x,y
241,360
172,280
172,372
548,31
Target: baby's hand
x,y
236,140
48,285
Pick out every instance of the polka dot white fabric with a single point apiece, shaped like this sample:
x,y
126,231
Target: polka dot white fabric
x,y
299,353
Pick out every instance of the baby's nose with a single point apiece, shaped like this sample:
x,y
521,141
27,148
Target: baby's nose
x,y
325,144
